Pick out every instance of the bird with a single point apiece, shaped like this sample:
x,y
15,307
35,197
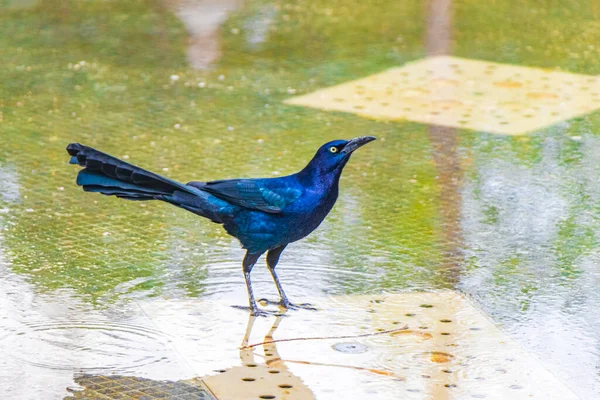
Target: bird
x,y
264,214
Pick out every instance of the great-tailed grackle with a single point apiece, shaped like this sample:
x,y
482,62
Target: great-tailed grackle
x,y
265,215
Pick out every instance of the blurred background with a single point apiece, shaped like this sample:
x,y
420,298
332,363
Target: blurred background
x,y
194,90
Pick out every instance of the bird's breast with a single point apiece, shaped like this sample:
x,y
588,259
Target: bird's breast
x,y
311,210
260,231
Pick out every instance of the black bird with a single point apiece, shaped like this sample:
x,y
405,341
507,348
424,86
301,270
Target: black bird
x,y
265,215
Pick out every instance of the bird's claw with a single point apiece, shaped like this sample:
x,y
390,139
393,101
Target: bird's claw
x,y
260,313
292,306
285,303
255,311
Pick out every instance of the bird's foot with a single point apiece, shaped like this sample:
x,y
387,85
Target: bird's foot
x,y
291,306
255,311
287,305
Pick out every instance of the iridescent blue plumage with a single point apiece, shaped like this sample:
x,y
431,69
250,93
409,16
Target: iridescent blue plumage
x,y
265,215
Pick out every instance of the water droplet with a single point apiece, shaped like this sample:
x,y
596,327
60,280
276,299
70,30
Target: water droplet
x,y
351,348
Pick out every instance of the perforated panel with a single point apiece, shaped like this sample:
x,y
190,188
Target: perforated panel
x,y
463,93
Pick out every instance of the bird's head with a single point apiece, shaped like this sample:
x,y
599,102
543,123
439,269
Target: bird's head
x,y
333,156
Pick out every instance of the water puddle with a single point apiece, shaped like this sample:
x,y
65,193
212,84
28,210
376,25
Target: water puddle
x,y
512,221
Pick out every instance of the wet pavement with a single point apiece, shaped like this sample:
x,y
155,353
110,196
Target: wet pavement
x,y
502,208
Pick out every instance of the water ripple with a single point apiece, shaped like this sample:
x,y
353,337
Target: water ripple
x,y
87,346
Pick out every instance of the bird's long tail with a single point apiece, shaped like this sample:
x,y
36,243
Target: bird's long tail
x,y
110,176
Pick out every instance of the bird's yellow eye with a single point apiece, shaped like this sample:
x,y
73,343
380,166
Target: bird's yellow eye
x,y
333,149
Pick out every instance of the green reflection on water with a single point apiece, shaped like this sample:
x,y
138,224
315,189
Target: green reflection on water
x,y
113,75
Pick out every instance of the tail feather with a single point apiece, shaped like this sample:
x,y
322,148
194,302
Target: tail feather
x,y
91,180
104,165
112,177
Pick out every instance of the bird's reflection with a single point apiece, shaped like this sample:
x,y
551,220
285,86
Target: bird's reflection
x,y
269,379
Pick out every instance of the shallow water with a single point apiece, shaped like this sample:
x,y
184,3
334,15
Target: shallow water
x,y
510,221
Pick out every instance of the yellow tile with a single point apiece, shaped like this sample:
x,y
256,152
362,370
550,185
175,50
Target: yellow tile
x,y
463,93
449,351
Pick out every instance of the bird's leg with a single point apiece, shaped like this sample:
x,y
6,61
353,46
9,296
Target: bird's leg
x,y
248,264
284,300
272,260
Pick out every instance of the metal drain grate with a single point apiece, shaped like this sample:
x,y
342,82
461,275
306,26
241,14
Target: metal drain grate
x,y
93,387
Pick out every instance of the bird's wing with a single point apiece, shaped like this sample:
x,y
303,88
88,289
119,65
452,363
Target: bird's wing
x,y
252,194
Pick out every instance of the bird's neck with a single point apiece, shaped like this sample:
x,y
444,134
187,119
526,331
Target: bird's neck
x,y
313,175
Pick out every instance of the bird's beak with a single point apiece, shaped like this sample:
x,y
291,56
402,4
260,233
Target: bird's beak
x,y
355,143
